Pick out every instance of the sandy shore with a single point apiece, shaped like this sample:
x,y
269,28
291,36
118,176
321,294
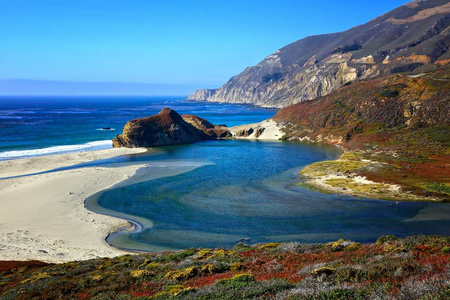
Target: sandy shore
x,y
43,216
270,131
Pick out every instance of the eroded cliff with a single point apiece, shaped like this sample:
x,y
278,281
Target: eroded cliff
x,y
412,38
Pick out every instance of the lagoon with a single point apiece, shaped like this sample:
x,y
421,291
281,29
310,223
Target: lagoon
x,y
219,193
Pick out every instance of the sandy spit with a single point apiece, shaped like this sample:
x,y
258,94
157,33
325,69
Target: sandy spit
x,y
43,217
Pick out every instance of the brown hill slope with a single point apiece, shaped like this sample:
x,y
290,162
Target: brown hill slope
x,y
400,122
412,38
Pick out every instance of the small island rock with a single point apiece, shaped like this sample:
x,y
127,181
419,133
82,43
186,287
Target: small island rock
x,y
167,128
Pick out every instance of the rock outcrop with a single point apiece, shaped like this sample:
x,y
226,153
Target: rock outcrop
x,y
211,130
412,38
202,95
167,128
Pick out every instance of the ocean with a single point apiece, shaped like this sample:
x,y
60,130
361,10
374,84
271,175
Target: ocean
x,y
34,126
211,193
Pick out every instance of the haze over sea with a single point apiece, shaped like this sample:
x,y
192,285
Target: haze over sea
x,y
207,194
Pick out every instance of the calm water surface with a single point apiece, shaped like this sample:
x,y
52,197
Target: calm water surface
x,y
219,193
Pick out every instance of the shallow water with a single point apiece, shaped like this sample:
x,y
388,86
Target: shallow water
x,y
218,193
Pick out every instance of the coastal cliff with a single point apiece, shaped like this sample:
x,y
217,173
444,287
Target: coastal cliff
x,y
412,38
202,94
395,131
167,128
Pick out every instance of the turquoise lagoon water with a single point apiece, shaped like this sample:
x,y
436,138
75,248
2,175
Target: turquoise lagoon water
x,y
220,193
208,194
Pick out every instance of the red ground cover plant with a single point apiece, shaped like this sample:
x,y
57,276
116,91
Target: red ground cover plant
x,y
411,268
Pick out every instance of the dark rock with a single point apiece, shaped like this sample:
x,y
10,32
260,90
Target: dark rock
x,y
244,132
213,131
259,131
167,128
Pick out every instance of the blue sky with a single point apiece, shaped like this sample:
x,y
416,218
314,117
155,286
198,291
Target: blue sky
x,y
195,42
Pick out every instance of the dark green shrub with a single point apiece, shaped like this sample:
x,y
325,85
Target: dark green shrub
x,y
388,93
272,77
386,238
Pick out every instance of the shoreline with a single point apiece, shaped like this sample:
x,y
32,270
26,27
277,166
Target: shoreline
x,y
346,175
44,217
136,224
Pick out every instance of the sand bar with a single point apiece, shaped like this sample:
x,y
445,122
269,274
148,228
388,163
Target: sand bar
x,y
43,216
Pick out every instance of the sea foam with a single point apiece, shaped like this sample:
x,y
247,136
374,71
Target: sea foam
x,y
97,145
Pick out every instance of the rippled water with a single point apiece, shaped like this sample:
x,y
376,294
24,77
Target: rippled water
x,y
218,193
33,126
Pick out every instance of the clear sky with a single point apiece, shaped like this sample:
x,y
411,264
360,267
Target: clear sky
x,y
196,42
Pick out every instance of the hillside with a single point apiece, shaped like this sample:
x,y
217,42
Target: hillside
x,y
396,132
412,38
412,268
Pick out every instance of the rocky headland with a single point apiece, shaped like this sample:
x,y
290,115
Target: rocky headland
x,y
413,38
168,128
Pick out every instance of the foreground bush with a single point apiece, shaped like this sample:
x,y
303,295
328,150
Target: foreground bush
x,y
412,268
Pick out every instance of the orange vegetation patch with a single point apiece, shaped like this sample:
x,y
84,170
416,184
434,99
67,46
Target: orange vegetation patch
x,y
207,280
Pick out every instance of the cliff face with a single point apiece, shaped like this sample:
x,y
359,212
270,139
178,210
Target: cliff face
x,y
371,109
412,38
167,128
202,95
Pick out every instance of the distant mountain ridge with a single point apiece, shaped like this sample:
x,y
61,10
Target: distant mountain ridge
x,y
412,38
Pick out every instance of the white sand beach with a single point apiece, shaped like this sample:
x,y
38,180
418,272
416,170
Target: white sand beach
x,y
270,131
43,216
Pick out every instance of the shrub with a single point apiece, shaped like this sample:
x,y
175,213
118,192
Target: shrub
x,y
237,280
350,275
269,245
272,77
352,247
236,267
386,238
445,250
203,253
323,270
178,256
388,93
285,137
182,274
